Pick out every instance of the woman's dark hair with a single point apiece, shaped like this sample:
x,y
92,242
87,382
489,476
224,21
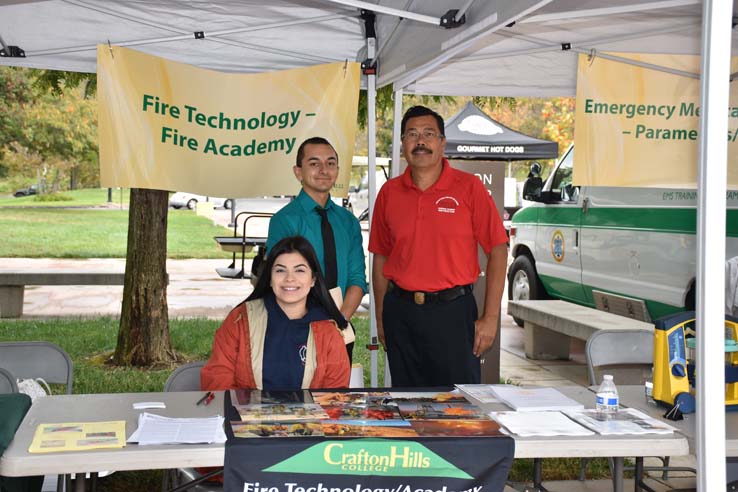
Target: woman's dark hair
x,y
318,293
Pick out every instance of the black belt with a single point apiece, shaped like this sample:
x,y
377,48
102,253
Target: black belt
x,y
420,297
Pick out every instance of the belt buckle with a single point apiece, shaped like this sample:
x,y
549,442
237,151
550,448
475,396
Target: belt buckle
x,y
419,297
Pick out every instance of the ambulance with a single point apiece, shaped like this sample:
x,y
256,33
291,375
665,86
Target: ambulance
x,y
630,251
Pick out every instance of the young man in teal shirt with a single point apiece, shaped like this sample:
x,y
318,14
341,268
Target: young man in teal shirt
x,y
317,169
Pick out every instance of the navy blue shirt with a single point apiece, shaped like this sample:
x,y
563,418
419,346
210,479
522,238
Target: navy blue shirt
x,y
285,345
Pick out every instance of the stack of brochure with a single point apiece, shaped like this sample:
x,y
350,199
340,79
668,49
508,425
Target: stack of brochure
x,y
624,421
540,424
534,399
155,429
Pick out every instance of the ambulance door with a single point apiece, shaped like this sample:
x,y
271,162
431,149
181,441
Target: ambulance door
x,y
557,244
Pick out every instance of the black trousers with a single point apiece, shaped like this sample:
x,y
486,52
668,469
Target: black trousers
x,y
430,344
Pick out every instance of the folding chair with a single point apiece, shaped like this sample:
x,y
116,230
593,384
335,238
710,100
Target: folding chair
x,y
187,378
630,353
45,360
37,360
7,382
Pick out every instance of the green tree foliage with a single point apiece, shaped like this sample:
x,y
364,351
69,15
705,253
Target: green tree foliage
x,y
550,119
15,94
49,132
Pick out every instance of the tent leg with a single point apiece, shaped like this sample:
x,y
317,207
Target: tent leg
x,y
371,91
396,137
712,172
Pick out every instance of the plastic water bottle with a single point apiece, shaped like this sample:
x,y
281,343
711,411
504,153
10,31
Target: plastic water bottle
x,y
607,396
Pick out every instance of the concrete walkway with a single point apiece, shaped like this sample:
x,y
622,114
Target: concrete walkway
x,y
196,290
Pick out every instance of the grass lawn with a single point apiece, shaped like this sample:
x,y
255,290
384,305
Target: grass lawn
x,y
90,197
53,232
89,342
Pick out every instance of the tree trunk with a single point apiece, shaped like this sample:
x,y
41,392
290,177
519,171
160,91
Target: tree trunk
x,y
143,336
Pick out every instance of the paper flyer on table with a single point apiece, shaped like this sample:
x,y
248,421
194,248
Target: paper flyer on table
x,y
51,438
155,429
624,421
534,399
483,393
540,424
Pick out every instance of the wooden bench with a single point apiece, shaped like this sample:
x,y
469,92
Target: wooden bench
x,y
13,284
550,325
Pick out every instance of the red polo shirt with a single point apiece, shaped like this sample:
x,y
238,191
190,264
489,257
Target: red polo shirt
x,y
430,237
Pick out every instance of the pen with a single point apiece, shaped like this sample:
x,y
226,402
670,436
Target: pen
x,y
210,398
205,397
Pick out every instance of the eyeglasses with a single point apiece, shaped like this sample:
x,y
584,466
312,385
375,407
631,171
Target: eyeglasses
x,y
427,135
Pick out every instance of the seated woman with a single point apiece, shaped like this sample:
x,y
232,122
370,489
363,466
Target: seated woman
x,y
286,334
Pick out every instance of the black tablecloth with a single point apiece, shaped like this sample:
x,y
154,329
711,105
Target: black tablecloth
x,y
323,464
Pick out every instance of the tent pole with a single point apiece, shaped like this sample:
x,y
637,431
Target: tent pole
x,y
371,92
405,14
711,214
396,137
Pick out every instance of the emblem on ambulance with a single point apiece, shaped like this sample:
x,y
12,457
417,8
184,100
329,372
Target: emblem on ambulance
x,y
557,246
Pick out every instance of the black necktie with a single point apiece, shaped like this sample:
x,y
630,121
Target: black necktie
x,y
329,249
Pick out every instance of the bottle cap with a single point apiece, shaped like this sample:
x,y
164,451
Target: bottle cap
x,y
607,377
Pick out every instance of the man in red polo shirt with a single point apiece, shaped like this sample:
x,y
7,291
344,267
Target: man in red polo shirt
x,y
426,227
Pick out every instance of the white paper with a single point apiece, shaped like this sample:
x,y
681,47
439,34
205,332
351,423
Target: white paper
x,y
624,421
534,399
480,392
155,429
142,405
540,424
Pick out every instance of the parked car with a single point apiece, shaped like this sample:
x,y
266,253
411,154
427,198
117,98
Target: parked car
x,y
189,200
629,251
31,190
358,199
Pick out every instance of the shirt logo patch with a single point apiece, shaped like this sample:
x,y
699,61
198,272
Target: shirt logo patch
x,y
447,204
303,353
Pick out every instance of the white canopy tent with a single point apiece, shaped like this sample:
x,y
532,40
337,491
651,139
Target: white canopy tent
x,y
502,48
249,36
538,57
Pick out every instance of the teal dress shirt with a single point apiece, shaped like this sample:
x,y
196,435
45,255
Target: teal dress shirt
x,y
299,218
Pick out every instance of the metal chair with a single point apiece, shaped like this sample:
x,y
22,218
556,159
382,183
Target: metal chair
x,y
31,360
7,382
38,360
625,350
187,378
630,352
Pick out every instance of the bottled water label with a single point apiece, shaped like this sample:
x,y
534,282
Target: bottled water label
x,y
607,402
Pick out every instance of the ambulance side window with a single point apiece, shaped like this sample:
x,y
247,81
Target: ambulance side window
x,y
561,185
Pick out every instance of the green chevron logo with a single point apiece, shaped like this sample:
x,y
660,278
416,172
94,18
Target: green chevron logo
x,y
369,457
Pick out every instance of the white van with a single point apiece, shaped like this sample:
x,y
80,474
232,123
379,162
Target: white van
x,y
631,251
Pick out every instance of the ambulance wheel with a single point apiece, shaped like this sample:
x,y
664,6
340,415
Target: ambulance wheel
x,y
523,283
228,204
192,204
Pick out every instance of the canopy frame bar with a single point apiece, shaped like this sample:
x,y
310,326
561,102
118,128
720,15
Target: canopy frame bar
x,y
627,61
547,46
463,10
402,81
711,214
625,9
185,35
379,9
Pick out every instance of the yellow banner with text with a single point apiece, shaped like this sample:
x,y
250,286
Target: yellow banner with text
x,y
637,126
171,126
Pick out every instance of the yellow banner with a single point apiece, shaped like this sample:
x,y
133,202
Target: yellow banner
x,y
171,126
637,126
